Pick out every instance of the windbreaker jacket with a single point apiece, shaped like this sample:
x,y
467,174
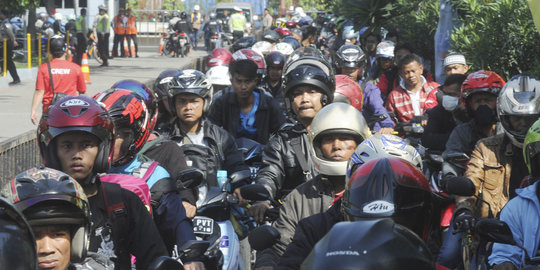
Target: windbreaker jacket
x,y
522,214
399,101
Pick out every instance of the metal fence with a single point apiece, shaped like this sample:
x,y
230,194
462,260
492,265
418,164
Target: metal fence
x,y
18,154
22,152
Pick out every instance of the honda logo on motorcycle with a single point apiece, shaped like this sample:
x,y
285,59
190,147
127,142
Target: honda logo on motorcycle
x,y
378,207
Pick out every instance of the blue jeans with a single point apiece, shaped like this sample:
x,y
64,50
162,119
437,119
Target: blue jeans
x,y
450,252
195,38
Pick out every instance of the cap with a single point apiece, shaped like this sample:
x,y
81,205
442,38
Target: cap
x,y
237,8
196,7
454,58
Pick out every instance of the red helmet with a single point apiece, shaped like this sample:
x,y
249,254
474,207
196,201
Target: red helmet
x,y
290,24
348,91
389,187
482,81
253,56
283,32
149,97
220,57
128,111
79,113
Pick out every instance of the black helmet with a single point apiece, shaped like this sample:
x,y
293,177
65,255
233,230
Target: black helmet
x,y
310,70
161,85
190,81
350,56
270,36
17,242
243,43
369,245
275,59
183,15
49,197
57,45
291,41
389,187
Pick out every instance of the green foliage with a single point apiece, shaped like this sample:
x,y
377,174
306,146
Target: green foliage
x,y
173,5
417,26
19,7
498,36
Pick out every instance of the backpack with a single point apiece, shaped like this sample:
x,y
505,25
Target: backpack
x,y
133,183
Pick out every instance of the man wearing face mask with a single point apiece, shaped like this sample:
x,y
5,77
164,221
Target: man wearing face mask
x,y
444,117
479,96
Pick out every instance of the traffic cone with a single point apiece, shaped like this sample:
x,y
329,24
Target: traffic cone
x,y
161,44
132,48
126,48
85,69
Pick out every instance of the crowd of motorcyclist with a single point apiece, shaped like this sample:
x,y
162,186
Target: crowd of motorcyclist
x,y
347,118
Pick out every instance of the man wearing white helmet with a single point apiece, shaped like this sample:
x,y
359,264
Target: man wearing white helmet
x,y
196,22
335,132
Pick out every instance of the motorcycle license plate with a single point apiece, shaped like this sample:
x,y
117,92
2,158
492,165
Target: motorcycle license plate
x,y
203,225
182,42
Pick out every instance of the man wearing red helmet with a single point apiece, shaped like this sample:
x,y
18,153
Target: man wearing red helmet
x,y
76,136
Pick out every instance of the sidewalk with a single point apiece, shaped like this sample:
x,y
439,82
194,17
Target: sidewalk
x,y
15,101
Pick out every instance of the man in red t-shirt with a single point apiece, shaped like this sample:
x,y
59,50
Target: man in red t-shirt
x,y
67,78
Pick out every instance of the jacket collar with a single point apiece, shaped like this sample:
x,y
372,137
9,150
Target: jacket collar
x,y
402,83
529,193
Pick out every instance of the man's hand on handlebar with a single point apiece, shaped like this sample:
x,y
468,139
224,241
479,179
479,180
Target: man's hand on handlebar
x,y
258,211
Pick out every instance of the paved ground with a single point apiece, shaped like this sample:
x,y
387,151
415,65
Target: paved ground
x,y
15,101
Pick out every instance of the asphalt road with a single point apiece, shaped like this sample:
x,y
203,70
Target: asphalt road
x,y
15,101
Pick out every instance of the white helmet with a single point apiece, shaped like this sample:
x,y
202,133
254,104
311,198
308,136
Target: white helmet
x,y
262,47
336,118
520,97
284,48
196,8
383,145
385,49
219,75
58,16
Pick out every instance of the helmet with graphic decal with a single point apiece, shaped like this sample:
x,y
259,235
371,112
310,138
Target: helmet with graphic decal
x,y
48,197
130,117
192,82
147,95
161,88
389,187
79,113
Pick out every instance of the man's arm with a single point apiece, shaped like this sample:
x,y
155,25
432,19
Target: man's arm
x,y
36,100
513,216
271,173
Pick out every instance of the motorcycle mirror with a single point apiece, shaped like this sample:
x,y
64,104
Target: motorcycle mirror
x,y
165,263
494,230
239,176
263,237
190,178
457,156
254,192
193,249
458,185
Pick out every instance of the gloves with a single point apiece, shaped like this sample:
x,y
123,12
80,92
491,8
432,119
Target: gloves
x,y
464,220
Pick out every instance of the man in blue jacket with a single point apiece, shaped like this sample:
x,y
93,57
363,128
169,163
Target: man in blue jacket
x,y
522,213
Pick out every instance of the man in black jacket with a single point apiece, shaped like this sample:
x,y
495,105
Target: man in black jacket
x,y
287,157
244,110
190,100
443,117
76,136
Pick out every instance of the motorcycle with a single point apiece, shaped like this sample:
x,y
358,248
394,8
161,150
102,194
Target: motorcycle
x,y
218,209
214,42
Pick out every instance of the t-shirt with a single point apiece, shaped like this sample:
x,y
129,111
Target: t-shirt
x,y
247,127
67,78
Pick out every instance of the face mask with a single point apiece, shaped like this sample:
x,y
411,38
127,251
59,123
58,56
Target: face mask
x,y
484,116
450,103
